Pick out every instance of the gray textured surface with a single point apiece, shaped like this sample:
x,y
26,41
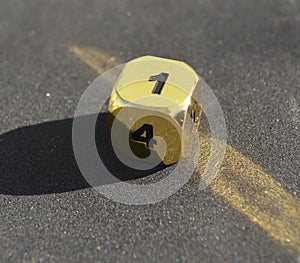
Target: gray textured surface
x,y
247,51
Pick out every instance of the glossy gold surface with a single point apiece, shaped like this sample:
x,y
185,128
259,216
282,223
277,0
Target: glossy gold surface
x,y
180,110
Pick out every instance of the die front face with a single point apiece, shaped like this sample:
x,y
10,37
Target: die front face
x,y
163,91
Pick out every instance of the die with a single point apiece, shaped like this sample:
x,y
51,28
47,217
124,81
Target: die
x,y
161,97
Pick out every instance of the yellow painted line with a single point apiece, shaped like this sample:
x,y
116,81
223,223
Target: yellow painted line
x,y
94,58
243,184
250,190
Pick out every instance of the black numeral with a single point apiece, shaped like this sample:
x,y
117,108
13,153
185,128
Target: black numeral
x,y
143,134
160,82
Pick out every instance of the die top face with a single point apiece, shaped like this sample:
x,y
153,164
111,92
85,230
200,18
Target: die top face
x,y
157,83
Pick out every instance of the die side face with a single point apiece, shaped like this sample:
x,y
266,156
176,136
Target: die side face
x,y
144,131
163,90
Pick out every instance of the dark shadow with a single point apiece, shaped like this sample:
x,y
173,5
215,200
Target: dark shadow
x,y
39,159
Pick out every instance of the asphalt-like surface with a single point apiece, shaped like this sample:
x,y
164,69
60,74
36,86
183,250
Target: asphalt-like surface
x,y
247,51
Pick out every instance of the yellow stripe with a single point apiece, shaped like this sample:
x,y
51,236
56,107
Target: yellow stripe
x,y
97,60
243,184
250,190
